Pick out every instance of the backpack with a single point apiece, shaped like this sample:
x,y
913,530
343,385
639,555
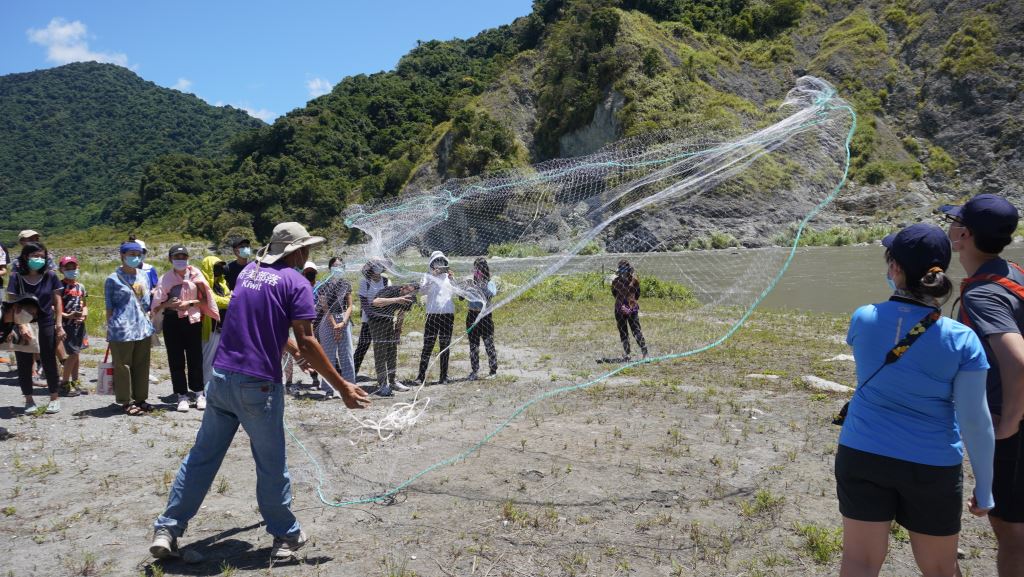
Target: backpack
x,y
1013,286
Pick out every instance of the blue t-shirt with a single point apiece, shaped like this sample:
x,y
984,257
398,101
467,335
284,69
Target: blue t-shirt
x,y
266,299
127,297
906,411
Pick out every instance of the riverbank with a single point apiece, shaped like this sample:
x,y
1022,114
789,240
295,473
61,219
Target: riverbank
x,y
682,467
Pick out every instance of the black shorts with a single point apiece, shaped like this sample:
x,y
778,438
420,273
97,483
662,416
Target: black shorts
x,y
923,498
1008,480
74,336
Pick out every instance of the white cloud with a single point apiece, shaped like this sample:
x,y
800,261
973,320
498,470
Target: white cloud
x,y
262,113
66,42
318,87
183,84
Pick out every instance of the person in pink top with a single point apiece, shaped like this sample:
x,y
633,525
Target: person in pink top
x,y
181,300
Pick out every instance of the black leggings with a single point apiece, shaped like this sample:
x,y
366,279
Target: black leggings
x,y
47,355
184,341
365,340
437,328
483,330
633,321
385,349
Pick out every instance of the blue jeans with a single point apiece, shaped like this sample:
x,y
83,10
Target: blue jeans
x,y
232,399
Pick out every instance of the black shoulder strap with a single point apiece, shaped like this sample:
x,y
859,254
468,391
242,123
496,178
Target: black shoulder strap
x,y
909,339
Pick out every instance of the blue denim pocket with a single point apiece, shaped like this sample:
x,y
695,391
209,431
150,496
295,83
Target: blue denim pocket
x,y
256,398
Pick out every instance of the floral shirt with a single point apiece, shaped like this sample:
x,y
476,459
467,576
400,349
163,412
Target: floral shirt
x,y
127,298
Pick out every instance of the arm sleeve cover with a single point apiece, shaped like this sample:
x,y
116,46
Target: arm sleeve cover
x,y
976,427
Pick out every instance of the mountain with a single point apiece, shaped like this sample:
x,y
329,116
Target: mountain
x,y
936,85
76,138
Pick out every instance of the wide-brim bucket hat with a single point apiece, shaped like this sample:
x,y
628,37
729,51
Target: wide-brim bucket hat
x,y
286,239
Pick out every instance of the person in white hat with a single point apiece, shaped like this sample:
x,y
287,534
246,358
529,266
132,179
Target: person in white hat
x,y
439,291
270,298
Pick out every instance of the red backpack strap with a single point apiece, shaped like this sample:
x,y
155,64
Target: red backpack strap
x,y
1015,288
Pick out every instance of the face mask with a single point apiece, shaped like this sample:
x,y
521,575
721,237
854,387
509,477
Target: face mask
x,y
244,252
71,274
179,264
133,261
890,282
22,317
338,270
36,263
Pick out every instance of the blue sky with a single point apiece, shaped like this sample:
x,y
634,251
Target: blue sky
x,y
265,57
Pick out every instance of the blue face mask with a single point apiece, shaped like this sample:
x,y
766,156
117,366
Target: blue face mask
x,y
338,270
35,263
133,261
890,282
245,252
71,274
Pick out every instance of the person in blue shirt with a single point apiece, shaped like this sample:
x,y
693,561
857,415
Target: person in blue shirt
x,y
901,449
127,302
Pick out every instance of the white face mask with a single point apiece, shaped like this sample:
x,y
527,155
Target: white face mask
x,y
22,317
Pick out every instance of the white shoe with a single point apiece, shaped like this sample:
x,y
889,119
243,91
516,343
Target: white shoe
x,y
398,386
182,403
201,402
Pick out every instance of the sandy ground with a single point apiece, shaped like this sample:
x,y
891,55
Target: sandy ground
x,y
688,467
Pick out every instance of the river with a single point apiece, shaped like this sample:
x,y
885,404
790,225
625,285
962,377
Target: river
x,y
818,279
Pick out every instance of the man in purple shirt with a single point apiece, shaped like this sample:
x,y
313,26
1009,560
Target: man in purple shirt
x,y
270,297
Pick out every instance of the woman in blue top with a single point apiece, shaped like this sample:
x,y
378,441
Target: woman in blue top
x,y
900,451
127,301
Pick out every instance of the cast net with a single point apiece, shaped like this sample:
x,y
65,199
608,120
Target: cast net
x,y
706,222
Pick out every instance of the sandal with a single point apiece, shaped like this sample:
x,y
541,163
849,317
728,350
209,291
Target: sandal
x,y
145,407
132,409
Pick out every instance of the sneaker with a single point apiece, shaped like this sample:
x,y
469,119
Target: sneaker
x,y
30,407
384,391
491,375
201,402
398,386
66,390
182,403
285,548
5,361
164,544
472,376
53,407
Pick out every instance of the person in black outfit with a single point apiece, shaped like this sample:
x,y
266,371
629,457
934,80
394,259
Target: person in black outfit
x,y
626,290
242,252
390,301
32,275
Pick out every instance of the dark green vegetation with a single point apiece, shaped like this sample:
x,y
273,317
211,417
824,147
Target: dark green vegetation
x,y
935,84
72,138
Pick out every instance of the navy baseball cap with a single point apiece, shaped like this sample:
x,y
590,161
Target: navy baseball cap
x,y
918,248
986,215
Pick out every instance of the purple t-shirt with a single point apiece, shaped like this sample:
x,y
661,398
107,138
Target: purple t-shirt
x,y
266,300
